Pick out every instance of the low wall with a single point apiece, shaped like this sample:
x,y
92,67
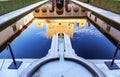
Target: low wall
x,y
113,32
14,28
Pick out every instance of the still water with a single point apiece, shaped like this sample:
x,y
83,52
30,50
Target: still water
x,y
90,43
32,43
87,42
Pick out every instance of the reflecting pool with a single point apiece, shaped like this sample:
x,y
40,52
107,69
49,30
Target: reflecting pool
x,y
32,43
90,43
87,41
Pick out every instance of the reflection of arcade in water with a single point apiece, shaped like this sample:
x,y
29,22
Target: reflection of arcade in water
x,y
53,28
60,26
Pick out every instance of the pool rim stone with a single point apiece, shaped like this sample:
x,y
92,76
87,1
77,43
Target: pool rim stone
x,y
32,68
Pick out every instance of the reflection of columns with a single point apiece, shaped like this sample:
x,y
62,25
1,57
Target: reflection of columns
x,y
89,23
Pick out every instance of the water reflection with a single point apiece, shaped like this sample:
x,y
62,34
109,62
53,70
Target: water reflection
x,y
53,28
86,40
39,24
82,23
89,43
60,26
32,43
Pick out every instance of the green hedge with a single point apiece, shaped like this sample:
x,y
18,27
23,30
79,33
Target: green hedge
x,y
11,5
112,5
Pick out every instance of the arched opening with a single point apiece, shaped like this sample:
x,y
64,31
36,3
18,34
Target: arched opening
x,y
44,10
37,10
59,6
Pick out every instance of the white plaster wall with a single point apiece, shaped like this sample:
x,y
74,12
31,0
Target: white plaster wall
x,y
5,34
19,23
102,24
25,20
92,17
30,16
115,33
88,14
